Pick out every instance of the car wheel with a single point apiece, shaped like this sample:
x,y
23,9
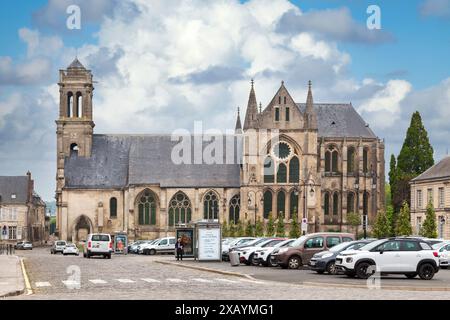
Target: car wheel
x,y
152,252
320,271
410,275
272,263
250,260
350,274
426,271
331,267
294,262
109,256
362,270
64,254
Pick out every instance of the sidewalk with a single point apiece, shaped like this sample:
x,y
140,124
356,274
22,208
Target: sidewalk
x,y
11,276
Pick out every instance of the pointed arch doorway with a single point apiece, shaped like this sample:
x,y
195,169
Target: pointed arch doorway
x,y
82,226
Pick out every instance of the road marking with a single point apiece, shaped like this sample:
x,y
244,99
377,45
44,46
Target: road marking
x,y
125,281
150,280
42,284
253,281
202,280
71,283
98,281
226,280
3,283
176,280
26,279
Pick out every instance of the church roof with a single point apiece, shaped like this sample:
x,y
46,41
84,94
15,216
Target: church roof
x,y
339,120
439,170
14,186
76,64
121,160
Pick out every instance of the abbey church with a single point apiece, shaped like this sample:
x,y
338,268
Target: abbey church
x,y
320,161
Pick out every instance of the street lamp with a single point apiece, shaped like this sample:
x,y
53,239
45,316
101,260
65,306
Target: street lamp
x,y
249,199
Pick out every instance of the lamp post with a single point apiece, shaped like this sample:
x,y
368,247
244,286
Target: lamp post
x,y
249,199
357,193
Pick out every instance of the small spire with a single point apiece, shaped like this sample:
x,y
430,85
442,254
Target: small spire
x,y
252,82
282,82
309,85
260,107
238,126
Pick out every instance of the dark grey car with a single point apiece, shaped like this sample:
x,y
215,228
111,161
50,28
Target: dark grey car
x,y
324,261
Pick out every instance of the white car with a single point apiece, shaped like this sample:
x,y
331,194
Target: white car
x,y
163,245
233,243
71,249
262,255
98,244
407,256
444,253
246,254
27,246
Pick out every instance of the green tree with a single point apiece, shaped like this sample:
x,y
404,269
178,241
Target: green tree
x,y
354,220
225,232
404,221
281,232
259,228
392,176
270,227
390,218
249,232
416,156
381,227
240,232
429,227
294,231
387,195
232,229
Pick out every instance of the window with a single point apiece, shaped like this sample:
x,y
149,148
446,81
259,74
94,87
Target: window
x,y
235,205
389,246
69,105
351,160
365,203
332,241
410,246
347,239
279,99
419,199
441,197
179,209
211,206
328,161
429,196
316,242
281,198
294,170
287,113
335,204
113,208
365,160
277,114
334,161
326,204
267,204
284,100
74,149
79,109
331,161
100,237
282,173
418,225
269,169
12,233
350,202
293,205
147,208
172,241
163,242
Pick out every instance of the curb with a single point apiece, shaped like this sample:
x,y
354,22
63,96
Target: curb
x,y
17,292
357,286
26,280
228,273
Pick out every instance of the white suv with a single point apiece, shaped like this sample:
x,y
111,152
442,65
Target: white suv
x,y
98,244
407,256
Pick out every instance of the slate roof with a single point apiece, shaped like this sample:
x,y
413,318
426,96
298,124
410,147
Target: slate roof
x,y
339,120
121,160
76,64
439,170
14,185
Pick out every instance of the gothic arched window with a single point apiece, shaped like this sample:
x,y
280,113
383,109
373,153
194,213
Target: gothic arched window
x,y
334,161
79,110
326,203
350,202
113,207
365,160
269,170
281,200
210,206
69,104
235,206
351,159
293,204
267,204
180,210
282,173
147,208
294,170
335,204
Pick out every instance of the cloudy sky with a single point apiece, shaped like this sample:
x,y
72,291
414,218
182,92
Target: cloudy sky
x,y
161,65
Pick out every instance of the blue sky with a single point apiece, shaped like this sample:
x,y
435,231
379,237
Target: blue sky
x,y
141,58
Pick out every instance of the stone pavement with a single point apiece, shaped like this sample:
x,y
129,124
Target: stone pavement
x,y
11,276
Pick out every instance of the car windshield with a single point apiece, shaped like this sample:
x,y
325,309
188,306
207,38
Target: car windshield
x,y
253,243
60,243
372,245
341,246
298,242
284,243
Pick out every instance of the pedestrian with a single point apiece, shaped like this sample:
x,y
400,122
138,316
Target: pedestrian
x,y
179,247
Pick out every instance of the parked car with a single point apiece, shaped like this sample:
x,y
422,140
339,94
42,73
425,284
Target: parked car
x,y
163,245
98,244
71,248
233,243
27,245
58,246
301,251
134,247
247,253
324,261
262,255
19,245
407,256
443,250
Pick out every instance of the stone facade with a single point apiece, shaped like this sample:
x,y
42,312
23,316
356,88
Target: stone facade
x,y
320,160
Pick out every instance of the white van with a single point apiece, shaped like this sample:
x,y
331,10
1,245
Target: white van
x,y
98,244
163,245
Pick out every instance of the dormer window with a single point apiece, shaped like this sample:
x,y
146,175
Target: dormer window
x,y
277,114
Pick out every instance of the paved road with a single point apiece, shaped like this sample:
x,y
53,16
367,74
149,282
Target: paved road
x,y
140,277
